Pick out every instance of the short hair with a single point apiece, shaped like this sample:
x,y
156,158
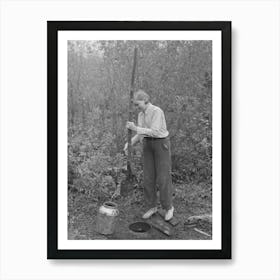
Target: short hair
x,y
142,95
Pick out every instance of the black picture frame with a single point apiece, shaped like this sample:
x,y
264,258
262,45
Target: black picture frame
x,y
53,27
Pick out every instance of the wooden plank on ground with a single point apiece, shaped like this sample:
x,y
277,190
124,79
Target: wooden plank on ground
x,y
157,222
174,221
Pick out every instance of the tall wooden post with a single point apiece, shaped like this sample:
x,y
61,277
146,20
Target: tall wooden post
x,y
129,134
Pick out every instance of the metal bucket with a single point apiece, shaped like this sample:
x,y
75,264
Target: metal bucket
x,y
106,218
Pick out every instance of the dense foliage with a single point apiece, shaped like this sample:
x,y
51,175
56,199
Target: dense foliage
x,y
178,77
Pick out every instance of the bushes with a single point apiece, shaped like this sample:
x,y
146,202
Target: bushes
x,y
177,75
92,169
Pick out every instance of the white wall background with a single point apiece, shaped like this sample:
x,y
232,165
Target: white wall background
x,y
255,139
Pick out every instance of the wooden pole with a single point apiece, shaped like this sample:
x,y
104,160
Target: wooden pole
x,y
130,111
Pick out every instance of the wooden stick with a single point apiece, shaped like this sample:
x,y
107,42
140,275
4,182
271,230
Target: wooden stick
x,y
129,134
202,232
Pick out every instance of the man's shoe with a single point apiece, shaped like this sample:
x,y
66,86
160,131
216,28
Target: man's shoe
x,y
149,213
169,214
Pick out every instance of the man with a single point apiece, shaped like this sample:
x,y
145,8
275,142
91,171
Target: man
x,y
152,131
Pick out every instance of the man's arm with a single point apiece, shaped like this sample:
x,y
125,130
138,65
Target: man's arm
x,y
136,138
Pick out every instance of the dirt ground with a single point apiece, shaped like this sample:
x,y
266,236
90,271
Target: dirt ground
x,y
188,201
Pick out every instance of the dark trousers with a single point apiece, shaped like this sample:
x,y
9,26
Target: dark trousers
x,y
157,171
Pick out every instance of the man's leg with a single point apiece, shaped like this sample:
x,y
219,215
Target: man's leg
x,y
149,175
163,172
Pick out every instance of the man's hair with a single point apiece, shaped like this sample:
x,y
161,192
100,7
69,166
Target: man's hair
x,y
142,95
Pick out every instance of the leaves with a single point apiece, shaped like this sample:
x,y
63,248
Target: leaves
x,y
178,77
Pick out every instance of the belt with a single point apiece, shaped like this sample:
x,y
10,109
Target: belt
x,y
155,138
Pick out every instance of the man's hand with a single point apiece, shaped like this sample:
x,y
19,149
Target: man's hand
x,y
131,126
125,148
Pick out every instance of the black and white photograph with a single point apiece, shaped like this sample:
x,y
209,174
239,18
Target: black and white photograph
x,y
157,96
139,116
139,140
